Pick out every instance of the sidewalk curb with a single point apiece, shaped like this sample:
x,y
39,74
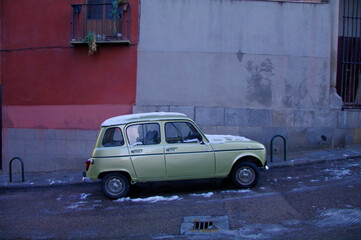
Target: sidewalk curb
x,y
42,180
29,185
294,163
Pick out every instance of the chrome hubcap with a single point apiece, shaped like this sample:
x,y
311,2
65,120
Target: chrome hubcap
x,y
115,185
245,175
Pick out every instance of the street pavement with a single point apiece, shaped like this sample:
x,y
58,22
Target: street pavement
x,y
318,200
61,178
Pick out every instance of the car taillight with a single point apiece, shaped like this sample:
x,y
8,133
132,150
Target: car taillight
x,y
87,164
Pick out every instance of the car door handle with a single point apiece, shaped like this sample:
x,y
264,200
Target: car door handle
x,y
136,151
172,149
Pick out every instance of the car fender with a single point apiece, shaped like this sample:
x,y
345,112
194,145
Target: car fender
x,y
248,156
132,177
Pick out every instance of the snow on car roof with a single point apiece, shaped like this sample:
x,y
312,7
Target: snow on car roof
x,y
138,117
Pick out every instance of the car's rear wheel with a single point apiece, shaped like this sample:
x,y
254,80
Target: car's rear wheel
x,y
245,175
115,185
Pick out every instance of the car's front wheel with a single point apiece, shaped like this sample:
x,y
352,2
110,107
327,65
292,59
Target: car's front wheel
x,y
245,175
115,185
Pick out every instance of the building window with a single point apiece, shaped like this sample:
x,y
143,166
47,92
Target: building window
x,y
99,9
349,54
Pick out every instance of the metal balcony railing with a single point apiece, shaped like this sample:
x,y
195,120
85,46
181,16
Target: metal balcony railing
x,y
107,22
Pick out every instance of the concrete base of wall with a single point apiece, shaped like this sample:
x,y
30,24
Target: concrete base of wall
x,y
303,129
47,149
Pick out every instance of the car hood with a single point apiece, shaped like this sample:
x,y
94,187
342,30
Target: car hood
x,y
232,142
215,139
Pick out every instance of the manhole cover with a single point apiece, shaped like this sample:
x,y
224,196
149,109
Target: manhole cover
x,y
204,224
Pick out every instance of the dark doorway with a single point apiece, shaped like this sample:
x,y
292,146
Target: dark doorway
x,y
1,126
349,54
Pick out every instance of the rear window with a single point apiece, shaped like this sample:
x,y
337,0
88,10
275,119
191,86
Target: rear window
x,y
113,137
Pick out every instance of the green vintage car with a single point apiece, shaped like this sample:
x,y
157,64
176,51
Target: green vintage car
x,y
168,146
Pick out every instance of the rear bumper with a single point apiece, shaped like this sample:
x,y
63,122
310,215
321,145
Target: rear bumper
x,y
86,179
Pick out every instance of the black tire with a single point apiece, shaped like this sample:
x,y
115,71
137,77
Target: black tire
x,y
245,175
115,185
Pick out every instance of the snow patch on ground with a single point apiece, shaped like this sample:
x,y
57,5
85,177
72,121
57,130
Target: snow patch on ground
x,y
84,195
292,223
77,205
159,236
303,189
261,231
206,195
338,218
149,199
314,180
237,191
52,182
338,174
290,178
349,165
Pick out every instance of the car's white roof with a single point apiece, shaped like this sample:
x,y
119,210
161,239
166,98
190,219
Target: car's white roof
x,y
140,117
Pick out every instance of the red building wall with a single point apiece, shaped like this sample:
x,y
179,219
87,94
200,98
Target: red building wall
x,y
50,84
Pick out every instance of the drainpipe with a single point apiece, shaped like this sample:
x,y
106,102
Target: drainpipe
x,y
334,8
335,100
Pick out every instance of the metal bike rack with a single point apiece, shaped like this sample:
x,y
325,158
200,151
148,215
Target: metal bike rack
x,y
22,169
284,146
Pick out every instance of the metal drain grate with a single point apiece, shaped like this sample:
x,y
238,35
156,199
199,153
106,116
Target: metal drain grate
x,y
203,225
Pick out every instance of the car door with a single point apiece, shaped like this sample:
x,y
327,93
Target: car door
x,y
146,151
186,155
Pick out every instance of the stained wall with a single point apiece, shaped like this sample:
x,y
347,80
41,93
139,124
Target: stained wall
x,y
54,95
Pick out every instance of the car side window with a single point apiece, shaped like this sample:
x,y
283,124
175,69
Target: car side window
x,y
181,132
144,134
113,137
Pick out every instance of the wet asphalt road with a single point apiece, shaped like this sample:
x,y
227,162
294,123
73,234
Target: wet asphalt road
x,y
316,201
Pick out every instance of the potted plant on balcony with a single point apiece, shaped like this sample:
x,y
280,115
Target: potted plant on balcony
x,y
116,4
91,40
